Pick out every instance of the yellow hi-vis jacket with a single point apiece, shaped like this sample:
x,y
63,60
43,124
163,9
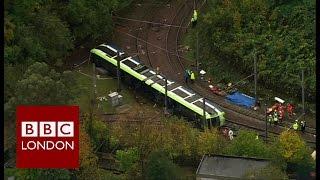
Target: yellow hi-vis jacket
x,y
275,119
195,15
192,76
295,126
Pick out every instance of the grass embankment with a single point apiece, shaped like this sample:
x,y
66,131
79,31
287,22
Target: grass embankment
x,y
105,85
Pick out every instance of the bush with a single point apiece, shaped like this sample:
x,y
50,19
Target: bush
x,y
127,158
160,167
292,149
269,172
246,144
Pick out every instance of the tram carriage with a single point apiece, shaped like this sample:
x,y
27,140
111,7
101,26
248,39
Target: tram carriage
x,y
181,100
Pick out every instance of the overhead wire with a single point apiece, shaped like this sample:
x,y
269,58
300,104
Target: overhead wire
x,y
150,22
152,4
157,23
241,80
163,49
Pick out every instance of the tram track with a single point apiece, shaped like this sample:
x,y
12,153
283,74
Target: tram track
x,y
231,114
234,114
144,36
178,66
308,130
261,133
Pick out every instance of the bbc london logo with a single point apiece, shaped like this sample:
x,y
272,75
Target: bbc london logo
x,y
47,137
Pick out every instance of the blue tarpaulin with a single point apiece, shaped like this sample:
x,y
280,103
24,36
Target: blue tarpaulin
x,y
241,99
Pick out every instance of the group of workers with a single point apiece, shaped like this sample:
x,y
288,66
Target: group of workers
x,y
189,75
277,112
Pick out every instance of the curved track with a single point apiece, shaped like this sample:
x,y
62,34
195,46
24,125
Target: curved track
x,y
245,119
183,11
236,116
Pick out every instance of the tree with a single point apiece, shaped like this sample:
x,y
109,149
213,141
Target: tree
x,y
38,174
178,138
54,36
246,144
39,34
100,135
281,32
85,19
88,160
12,74
8,28
128,159
42,86
270,172
293,150
209,142
160,167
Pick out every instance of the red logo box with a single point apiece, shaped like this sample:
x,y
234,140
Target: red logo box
x,y
47,137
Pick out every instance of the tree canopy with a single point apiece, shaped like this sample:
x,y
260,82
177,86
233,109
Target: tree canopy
x,y
42,86
246,144
47,31
160,167
281,34
292,149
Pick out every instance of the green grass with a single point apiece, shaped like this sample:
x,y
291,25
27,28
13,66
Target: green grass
x,y
105,174
104,87
10,172
187,41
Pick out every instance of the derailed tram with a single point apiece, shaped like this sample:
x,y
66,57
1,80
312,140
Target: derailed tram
x,y
180,99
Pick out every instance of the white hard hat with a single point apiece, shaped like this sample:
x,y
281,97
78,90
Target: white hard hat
x,y
313,155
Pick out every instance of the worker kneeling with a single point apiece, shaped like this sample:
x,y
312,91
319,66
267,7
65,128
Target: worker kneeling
x,y
295,126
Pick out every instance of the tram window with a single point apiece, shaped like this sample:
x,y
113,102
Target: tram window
x,y
108,51
207,109
129,63
148,74
142,68
180,93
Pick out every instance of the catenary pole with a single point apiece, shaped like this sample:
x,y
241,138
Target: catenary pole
x,y
266,119
255,76
302,89
165,96
197,58
204,112
94,90
118,71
